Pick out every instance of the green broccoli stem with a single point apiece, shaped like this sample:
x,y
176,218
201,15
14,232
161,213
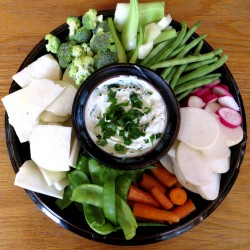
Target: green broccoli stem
x,y
129,30
121,54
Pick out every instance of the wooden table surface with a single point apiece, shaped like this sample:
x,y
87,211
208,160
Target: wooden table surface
x,y
23,24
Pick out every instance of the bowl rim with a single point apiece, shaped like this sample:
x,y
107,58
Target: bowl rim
x,y
46,204
172,109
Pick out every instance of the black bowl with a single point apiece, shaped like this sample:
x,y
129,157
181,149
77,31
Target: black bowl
x,y
72,219
159,84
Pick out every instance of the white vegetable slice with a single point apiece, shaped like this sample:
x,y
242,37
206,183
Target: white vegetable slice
x,y
62,105
45,67
221,166
165,22
219,150
30,177
211,191
50,147
51,177
182,179
60,185
193,165
212,107
49,117
172,150
167,163
67,78
74,153
25,105
198,128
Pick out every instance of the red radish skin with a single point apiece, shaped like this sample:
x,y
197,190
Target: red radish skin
x,y
210,98
204,92
229,117
213,84
196,91
228,101
224,86
195,102
221,91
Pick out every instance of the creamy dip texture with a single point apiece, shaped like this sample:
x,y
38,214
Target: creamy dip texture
x,y
125,116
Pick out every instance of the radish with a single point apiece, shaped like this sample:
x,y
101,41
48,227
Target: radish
x,y
221,91
204,92
228,101
212,107
198,128
195,102
221,165
172,150
224,86
193,165
210,98
229,117
196,91
213,84
167,163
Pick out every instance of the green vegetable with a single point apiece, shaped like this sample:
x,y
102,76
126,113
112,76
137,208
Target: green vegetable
x,y
165,35
129,30
74,23
122,185
64,54
82,164
53,43
95,170
106,58
197,65
134,56
77,177
90,19
81,35
66,200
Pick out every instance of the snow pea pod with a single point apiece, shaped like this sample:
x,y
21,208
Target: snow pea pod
x,y
66,200
93,215
82,164
122,185
95,171
77,177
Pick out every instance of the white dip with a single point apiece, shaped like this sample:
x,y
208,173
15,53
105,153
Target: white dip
x,y
128,90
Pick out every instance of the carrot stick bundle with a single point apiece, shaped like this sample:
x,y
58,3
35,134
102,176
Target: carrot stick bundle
x,y
161,198
148,212
163,176
137,195
148,182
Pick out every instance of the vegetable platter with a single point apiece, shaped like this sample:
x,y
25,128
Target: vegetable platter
x,y
69,218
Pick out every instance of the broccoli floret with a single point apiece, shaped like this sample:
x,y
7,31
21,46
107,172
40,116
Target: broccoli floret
x,y
81,68
64,54
90,19
106,58
82,35
103,25
102,41
53,43
74,23
87,49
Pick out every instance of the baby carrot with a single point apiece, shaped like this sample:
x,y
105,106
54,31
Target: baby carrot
x,y
148,182
162,175
178,196
148,212
137,195
161,198
184,210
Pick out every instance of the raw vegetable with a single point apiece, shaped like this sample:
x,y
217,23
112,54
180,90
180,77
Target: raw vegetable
x,y
229,117
184,210
178,196
167,162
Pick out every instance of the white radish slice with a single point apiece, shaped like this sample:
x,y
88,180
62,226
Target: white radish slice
x,y
221,166
50,147
45,67
213,84
193,165
195,102
62,105
30,177
212,107
228,101
167,163
219,150
182,179
210,98
75,149
52,177
221,91
172,150
211,191
198,128
229,117
233,135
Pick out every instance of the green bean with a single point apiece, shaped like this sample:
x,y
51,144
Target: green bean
x,y
199,64
169,77
202,71
186,60
177,75
175,44
195,83
183,95
190,32
165,35
198,48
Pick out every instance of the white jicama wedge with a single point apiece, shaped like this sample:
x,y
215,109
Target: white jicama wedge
x,y
62,105
51,177
25,105
193,165
60,185
172,150
182,179
211,191
198,128
45,67
221,166
167,163
49,117
75,149
219,150
30,177
50,147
